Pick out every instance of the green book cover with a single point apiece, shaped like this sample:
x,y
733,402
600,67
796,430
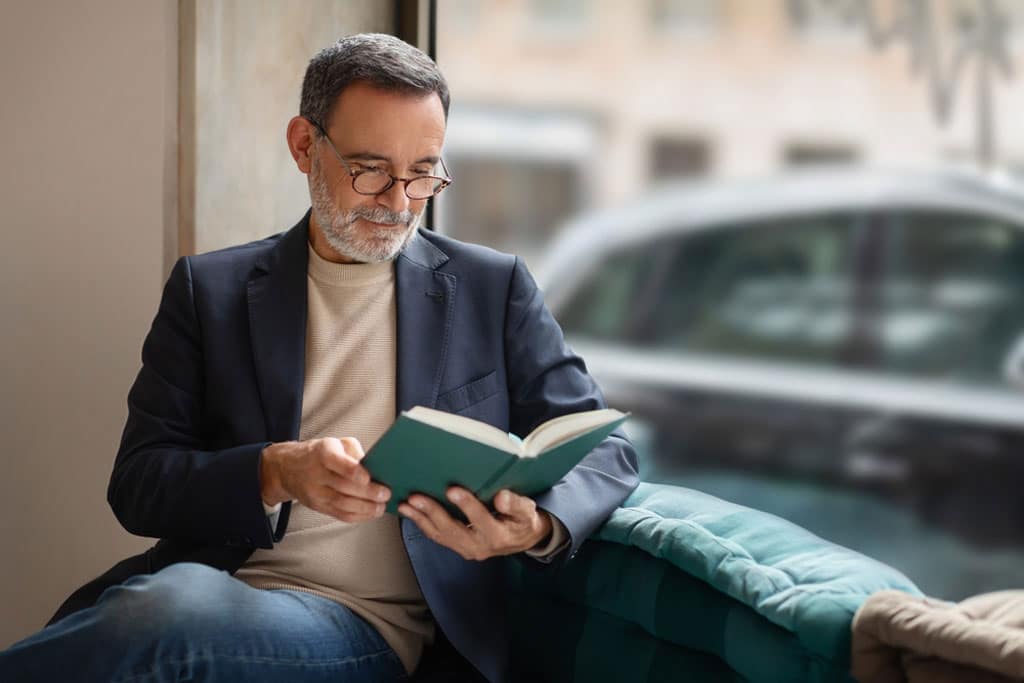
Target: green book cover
x,y
427,450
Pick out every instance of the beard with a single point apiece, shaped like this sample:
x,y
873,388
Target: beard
x,y
373,244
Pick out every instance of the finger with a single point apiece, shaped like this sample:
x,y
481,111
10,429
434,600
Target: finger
x,y
343,464
446,525
352,447
352,479
518,508
439,527
340,505
371,491
420,520
480,518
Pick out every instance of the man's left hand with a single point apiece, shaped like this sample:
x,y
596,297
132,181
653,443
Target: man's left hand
x,y
517,526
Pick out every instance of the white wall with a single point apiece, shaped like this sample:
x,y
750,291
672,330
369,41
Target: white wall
x,y
88,115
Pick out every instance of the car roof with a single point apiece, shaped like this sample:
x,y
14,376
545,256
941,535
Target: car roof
x,y
683,206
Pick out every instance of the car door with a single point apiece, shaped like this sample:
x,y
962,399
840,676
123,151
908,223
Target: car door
x,y
949,323
727,346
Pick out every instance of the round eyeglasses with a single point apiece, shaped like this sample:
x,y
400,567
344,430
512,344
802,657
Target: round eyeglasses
x,y
373,181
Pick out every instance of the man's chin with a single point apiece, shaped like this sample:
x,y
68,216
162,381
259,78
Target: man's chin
x,y
375,248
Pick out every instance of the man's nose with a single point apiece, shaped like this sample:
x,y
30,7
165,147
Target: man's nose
x,y
394,198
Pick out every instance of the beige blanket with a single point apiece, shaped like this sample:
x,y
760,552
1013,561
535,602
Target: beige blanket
x,y
900,638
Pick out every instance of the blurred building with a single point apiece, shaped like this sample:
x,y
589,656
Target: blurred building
x,y
565,105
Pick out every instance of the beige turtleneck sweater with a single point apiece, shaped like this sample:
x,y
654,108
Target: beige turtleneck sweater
x,y
350,391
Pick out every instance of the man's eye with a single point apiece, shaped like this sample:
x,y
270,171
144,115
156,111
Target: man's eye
x,y
371,169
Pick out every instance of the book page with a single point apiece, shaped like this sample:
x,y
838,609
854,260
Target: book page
x,y
561,429
467,427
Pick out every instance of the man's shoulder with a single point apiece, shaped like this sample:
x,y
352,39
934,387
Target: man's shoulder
x,y
227,269
238,255
463,255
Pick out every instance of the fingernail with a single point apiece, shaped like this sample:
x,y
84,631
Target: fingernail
x,y
416,503
455,495
383,495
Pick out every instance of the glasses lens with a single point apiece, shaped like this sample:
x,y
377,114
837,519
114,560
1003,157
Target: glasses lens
x,y
423,188
370,182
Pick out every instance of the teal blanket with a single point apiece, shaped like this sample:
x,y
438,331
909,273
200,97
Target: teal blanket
x,y
679,585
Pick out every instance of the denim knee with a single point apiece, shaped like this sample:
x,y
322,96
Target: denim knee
x,y
182,597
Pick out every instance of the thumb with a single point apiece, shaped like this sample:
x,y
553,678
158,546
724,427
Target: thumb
x,y
352,447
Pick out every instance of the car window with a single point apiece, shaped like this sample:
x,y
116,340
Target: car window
x,y
953,296
775,290
609,299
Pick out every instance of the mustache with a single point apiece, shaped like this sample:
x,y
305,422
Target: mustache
x,y
380,214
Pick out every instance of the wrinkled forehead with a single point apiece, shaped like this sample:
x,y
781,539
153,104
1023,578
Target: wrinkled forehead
x,y
399,125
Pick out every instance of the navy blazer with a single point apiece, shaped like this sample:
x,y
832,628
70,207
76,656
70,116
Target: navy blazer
x,y
222,376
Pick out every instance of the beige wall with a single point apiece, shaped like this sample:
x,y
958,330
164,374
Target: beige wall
x,y
87,125
89,196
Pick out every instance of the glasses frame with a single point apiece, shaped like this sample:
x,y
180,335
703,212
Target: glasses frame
x,y
446,180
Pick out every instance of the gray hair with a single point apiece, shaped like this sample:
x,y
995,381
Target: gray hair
x,y
377,58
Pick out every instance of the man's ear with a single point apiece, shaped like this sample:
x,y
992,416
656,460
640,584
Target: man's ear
x,y
301,136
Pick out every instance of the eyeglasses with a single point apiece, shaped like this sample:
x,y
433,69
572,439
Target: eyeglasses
x,y
373,181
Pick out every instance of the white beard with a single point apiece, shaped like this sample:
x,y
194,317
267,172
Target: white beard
x,y
373,245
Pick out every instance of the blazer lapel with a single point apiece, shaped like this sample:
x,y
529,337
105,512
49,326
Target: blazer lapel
x,y
425,300
277,324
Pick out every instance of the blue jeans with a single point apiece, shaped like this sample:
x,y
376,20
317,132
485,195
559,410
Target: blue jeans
x,y
190,622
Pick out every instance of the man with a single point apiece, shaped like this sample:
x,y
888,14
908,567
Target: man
x,y
271,367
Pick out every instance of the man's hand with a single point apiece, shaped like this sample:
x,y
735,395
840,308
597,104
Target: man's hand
x,y
518,526
324,475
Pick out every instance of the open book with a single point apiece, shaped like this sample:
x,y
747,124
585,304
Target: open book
x,y
428,450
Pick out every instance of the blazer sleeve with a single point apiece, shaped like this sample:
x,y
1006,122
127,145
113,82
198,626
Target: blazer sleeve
x,y
546,380
164,484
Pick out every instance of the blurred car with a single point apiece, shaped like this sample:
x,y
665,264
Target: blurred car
x,y
858,330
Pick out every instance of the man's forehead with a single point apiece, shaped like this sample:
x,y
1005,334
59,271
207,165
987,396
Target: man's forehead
x,y
365,100
370,120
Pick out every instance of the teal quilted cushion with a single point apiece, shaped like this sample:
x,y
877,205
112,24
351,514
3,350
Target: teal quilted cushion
x,y
592,646
697,575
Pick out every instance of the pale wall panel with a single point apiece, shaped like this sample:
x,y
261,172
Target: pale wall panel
x,y
250,59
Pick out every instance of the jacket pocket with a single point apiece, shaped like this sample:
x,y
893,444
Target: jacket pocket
x,y
468,394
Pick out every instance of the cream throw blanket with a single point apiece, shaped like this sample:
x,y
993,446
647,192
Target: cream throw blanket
x,y
902,638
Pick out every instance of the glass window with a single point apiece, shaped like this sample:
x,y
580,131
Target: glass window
x,y
612,297
489,205
953,296
679,157
819,154
685,17
559,16
825,19
778,290
1011,15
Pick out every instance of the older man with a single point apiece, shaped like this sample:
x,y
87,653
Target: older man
x,y
271,367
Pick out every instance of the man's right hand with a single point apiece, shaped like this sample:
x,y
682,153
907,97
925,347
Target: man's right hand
x,y
324,475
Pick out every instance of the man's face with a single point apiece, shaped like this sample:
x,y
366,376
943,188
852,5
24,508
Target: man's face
x,y
396,133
